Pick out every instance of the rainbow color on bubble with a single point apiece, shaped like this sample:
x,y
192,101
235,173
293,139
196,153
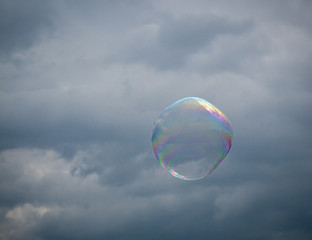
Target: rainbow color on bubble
x,y
191,137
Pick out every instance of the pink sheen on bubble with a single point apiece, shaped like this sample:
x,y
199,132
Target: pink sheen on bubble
x,y
191,137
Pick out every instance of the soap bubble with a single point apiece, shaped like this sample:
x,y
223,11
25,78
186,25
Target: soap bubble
x,y
191,137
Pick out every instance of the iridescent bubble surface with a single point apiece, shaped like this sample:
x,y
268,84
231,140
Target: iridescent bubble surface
x,y
191,137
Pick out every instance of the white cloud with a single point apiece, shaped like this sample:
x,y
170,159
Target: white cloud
x,y
23,214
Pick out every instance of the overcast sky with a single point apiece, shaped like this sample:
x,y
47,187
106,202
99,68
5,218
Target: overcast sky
x,y
82,82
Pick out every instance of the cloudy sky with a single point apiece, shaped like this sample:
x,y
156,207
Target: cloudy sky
x,y
81,83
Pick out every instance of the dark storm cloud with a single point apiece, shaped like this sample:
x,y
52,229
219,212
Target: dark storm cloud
x,y
170,44
77,111
21,24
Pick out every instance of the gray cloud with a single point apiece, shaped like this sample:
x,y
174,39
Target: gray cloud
x,y
169,44
21,24
82,83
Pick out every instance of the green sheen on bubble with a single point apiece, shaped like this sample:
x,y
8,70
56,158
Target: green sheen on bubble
x,y
191,137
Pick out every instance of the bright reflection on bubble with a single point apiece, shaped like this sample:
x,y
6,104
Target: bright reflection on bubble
x,y
191,137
